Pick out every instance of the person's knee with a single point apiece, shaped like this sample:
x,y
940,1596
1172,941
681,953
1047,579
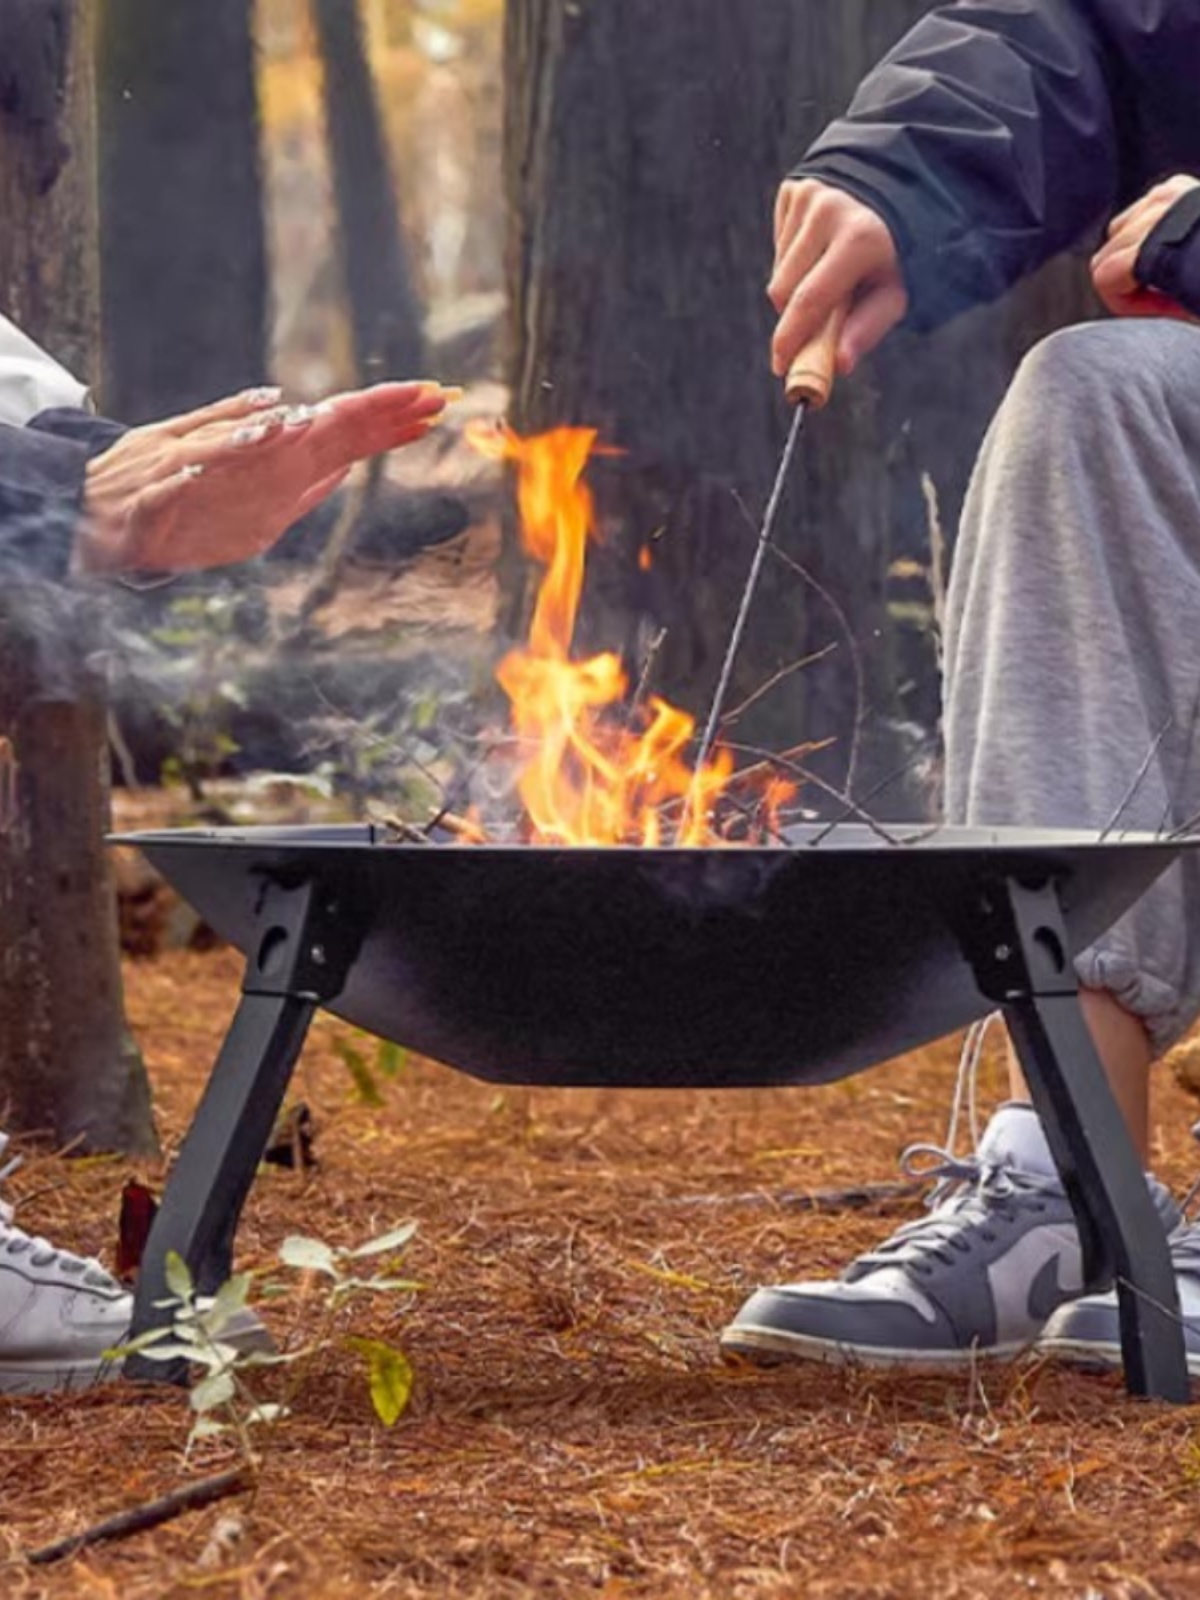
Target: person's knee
x,y
1078,375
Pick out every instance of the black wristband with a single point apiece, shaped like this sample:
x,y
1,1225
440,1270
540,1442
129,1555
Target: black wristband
x,y
1169,260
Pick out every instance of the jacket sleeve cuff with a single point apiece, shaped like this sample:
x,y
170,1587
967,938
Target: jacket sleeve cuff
x,y
942,279
42,483
97,434
1169,260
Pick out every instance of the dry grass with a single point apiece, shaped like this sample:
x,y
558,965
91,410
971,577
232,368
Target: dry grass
x,y
572,1431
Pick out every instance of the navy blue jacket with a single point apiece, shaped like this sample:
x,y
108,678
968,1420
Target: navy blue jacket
x,y
43,468
1000,132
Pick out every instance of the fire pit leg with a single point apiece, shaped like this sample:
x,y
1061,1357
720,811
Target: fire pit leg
x,y
1022,959
299,962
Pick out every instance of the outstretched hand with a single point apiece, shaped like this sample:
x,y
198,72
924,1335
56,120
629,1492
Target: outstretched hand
x,y
222,484
1114,264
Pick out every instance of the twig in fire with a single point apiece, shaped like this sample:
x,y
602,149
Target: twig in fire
x,y
643,685
843,622
853,809
750,778
777,678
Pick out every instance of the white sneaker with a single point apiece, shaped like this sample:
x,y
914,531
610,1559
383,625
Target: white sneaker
x,y
59,1313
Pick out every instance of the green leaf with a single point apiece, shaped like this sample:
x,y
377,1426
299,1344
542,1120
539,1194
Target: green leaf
x,y
390,1376
229,1301
364,1081
208,1428
218,1389
132,1347
179,1278
390,1059
426,714
267,1413
171,1351
308,1255
380,1285
395,1240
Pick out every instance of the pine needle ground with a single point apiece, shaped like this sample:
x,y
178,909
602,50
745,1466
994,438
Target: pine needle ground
x,y
572,1430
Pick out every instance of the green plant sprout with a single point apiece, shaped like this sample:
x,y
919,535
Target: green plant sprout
x,y
204,1329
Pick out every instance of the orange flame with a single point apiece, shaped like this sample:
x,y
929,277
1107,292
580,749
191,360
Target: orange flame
x,y
596,772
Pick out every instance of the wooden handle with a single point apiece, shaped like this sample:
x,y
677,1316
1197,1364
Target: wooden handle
x,y
810,376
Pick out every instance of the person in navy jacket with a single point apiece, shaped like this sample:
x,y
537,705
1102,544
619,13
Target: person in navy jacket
x,y
996,134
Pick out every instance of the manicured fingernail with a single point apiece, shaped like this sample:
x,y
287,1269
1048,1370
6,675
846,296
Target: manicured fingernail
x,y
261,428
300,416
268,395
452,394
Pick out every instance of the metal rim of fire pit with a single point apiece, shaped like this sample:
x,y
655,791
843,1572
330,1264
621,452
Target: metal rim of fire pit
x,y
687,967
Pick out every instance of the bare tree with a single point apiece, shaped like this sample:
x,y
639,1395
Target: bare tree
x,y
67,1064
382,303
644,145
183,240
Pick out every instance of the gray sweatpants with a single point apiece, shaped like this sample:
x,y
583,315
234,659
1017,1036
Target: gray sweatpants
x,y
1073,628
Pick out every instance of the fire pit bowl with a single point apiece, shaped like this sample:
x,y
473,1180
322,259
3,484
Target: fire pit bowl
x,y
677,968
648,968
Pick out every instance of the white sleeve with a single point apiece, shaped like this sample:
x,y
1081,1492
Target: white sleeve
x,y
30,380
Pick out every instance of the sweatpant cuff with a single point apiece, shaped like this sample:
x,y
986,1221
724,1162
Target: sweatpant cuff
x,y
1157,1003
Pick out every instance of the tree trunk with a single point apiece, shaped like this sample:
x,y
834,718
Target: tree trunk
x,y
47,184
644,147
385,315
384,312
68,1067
184,277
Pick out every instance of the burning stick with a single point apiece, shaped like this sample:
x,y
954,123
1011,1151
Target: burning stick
x,y
466,829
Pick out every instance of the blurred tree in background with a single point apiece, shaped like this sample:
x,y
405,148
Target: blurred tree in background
x,y
644,146
68,1066
184,271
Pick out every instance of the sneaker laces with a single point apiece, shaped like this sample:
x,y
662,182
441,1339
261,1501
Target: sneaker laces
x,y
969,1198
966,1083
14,1241
968,1195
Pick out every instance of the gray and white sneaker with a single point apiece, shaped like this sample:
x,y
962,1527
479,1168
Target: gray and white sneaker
x,y
59,1313
1087,1332
977,1277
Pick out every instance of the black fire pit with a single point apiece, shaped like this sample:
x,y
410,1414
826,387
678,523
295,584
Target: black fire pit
x,y
670,968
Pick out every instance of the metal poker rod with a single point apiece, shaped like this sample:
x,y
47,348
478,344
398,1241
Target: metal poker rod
x,y
809,384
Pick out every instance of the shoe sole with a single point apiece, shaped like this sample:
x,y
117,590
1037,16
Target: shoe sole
x,y
1097,1357
772,1347
53,1377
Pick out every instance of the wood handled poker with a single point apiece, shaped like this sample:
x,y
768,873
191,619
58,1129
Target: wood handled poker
x,y
809,384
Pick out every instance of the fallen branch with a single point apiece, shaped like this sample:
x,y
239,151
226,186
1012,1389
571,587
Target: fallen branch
x,y
856,1199
188,1497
